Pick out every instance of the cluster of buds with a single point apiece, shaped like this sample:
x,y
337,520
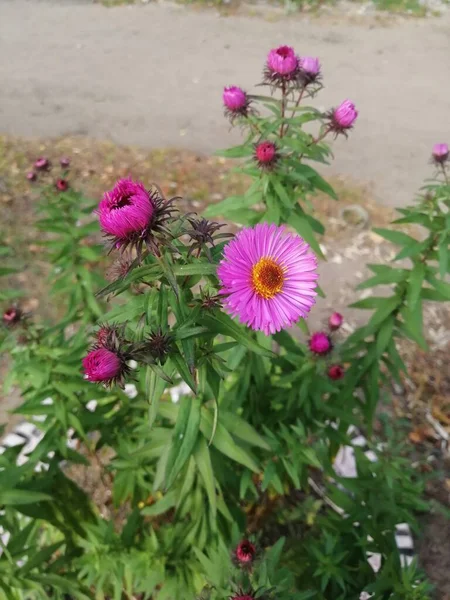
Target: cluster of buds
x,y
108,361
293,75
321,344
42,164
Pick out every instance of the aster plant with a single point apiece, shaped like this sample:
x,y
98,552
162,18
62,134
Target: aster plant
x,y
192,382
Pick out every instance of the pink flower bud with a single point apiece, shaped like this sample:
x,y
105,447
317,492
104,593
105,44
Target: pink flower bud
x,y
336,372
64,162
335,321
125,210
11,316
31,176
266,154
102,365
310,66
244,597
345,115
42,164
234,98
282,61
62,185
245,553
320,343
440,153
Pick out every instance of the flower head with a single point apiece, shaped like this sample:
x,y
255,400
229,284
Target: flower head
x,y
203,232
102,365
266,155
309,68
440,153
42,164
336,372
64,162
159,345
107,336
245,553
268,277
12,316
320,343
282,61
236,102
31,176
343,117
131,215
335,321
62,185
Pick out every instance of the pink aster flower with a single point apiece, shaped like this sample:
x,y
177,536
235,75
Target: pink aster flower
x,y
64,162
335,321
320,343
102,365
310,67
440,153
336,372
234,98
343,116
268,277
245,553
125,210
282,61
31,176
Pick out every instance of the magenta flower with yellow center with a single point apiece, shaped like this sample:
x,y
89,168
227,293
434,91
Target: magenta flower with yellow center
x,y
268,278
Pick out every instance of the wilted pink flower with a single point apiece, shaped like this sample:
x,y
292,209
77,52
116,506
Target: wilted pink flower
x,y
336,372
102,365
344,116
266,154
104,335
310,66
335,320
42,164
234,98
62,185
282,61
64,162
245,552
31,176
268,277
320,343
440,153
125,210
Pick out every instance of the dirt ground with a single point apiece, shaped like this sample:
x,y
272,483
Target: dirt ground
x,y
347,245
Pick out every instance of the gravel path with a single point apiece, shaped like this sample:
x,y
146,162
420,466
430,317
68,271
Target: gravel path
x,y
152,75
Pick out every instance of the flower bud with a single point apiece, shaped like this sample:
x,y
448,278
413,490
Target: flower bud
x,y
234,98
336,372
64,162
320,343
440,153
245,553
42,164
335,321
344,116
31,176
12,316
310,67
282,61
102,365
266,154
62,185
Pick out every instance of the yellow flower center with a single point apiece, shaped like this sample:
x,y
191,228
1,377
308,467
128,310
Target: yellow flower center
x,y
267,277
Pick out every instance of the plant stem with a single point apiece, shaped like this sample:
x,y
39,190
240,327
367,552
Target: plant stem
x,y
283,107
444,171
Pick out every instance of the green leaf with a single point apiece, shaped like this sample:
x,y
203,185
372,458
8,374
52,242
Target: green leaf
x,y
236,151
232,204
243,430
222,323
19,497
168,501
443,255
197,268
203,461
303,228
384,335
224,442
7,271
387,275
183,370
396,237
184,437
316,180
155,387
415,282
413,324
